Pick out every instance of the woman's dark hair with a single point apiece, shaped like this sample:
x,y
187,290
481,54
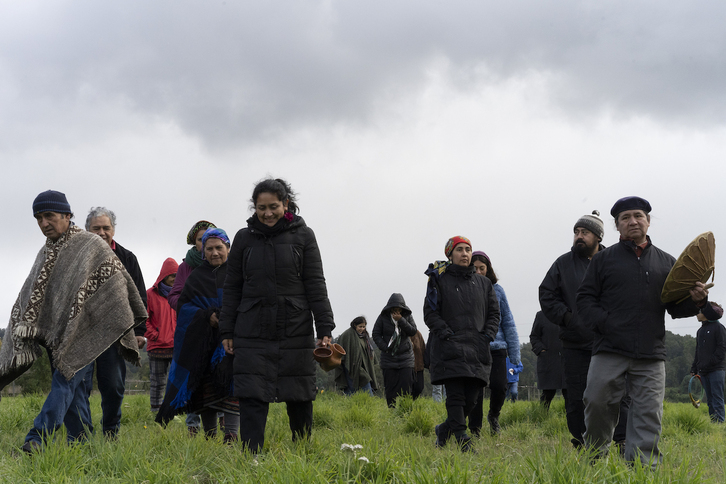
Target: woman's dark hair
x,y
357,321
278,187
490,272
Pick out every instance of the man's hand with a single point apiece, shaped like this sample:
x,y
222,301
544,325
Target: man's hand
x,y
699,292
228,346
214,320
325,341
141,341
396,314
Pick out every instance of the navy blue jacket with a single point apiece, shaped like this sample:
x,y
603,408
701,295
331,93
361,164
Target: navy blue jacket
x,y
710,348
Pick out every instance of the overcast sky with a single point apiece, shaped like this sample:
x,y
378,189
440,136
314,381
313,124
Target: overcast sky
x,y
400,124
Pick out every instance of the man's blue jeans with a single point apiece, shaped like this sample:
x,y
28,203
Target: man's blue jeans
x,y
713,383
66,403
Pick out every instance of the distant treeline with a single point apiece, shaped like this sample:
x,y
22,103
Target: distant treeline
x,y
680,351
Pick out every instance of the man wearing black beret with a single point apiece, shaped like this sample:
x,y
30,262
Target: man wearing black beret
x,y
619,298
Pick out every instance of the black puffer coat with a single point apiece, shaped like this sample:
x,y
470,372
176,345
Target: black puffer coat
x,y
558,299
547,346
274,286
620,299
384,329
463,324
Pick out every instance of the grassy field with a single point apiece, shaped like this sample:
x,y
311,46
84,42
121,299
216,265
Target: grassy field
x,y
398,445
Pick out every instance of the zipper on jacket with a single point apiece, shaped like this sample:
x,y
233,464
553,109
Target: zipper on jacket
x,y
298,261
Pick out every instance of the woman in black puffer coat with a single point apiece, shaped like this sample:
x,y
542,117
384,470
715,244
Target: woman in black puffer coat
x,y
392,335
274,287
462,312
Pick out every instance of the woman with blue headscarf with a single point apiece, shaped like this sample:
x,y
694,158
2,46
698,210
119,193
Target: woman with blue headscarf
x,y
200,374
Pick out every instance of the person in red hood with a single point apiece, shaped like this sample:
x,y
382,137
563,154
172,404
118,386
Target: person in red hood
x,y
160,331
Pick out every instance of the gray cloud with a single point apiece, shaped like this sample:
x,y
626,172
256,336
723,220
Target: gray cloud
x,y
234,73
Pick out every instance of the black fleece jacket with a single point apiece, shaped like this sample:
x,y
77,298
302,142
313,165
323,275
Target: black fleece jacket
x,y
620,299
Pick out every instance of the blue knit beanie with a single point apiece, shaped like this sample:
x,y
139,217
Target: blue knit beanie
x,y
51,201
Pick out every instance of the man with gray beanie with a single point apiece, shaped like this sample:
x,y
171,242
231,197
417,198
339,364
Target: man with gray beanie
x,y
558,300
75,277
619,299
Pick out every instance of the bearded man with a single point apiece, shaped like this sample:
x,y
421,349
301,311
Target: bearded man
x,y
558,300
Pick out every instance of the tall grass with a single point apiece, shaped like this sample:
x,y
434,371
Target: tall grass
x,y
397,445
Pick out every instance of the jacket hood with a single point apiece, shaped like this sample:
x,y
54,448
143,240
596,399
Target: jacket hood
x,y
396,301
168,268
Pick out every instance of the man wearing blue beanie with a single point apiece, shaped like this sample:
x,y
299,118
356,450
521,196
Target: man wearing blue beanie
x,y
75,277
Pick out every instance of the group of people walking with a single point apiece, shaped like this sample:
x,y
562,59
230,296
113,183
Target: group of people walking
x,y
607,302
233,327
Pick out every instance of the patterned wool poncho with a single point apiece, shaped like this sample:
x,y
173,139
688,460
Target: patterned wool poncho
x,y
77,301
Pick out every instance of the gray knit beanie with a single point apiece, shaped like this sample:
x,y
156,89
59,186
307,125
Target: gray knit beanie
x,y
593,223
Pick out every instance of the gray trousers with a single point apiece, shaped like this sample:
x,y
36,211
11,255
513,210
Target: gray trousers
x,y
606,387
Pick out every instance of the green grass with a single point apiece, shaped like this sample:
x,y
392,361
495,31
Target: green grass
x,y
533,448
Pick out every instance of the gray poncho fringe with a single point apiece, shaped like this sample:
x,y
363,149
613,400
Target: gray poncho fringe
x,y
77,301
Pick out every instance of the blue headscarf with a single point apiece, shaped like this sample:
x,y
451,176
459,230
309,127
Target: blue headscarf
x,y
214,233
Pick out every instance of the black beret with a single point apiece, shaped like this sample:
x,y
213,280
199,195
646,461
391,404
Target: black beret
x,y
630,203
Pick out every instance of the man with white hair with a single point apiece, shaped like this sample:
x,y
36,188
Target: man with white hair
x,y
110,366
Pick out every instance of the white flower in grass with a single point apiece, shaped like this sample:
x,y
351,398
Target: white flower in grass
x,y
364,460
353,448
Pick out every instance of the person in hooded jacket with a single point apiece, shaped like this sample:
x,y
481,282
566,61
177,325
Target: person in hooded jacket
x,y
462,312
274,291
160,332
392,335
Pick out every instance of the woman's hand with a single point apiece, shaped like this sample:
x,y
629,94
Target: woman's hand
x,y
325,341
214,320
228,345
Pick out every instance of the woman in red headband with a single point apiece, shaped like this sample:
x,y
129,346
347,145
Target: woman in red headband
x,y
462,312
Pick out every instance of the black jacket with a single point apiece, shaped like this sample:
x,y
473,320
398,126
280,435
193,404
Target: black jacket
x,y
547,345
274,286
620,299
463,324
393,357
558,299
710,348
129,261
